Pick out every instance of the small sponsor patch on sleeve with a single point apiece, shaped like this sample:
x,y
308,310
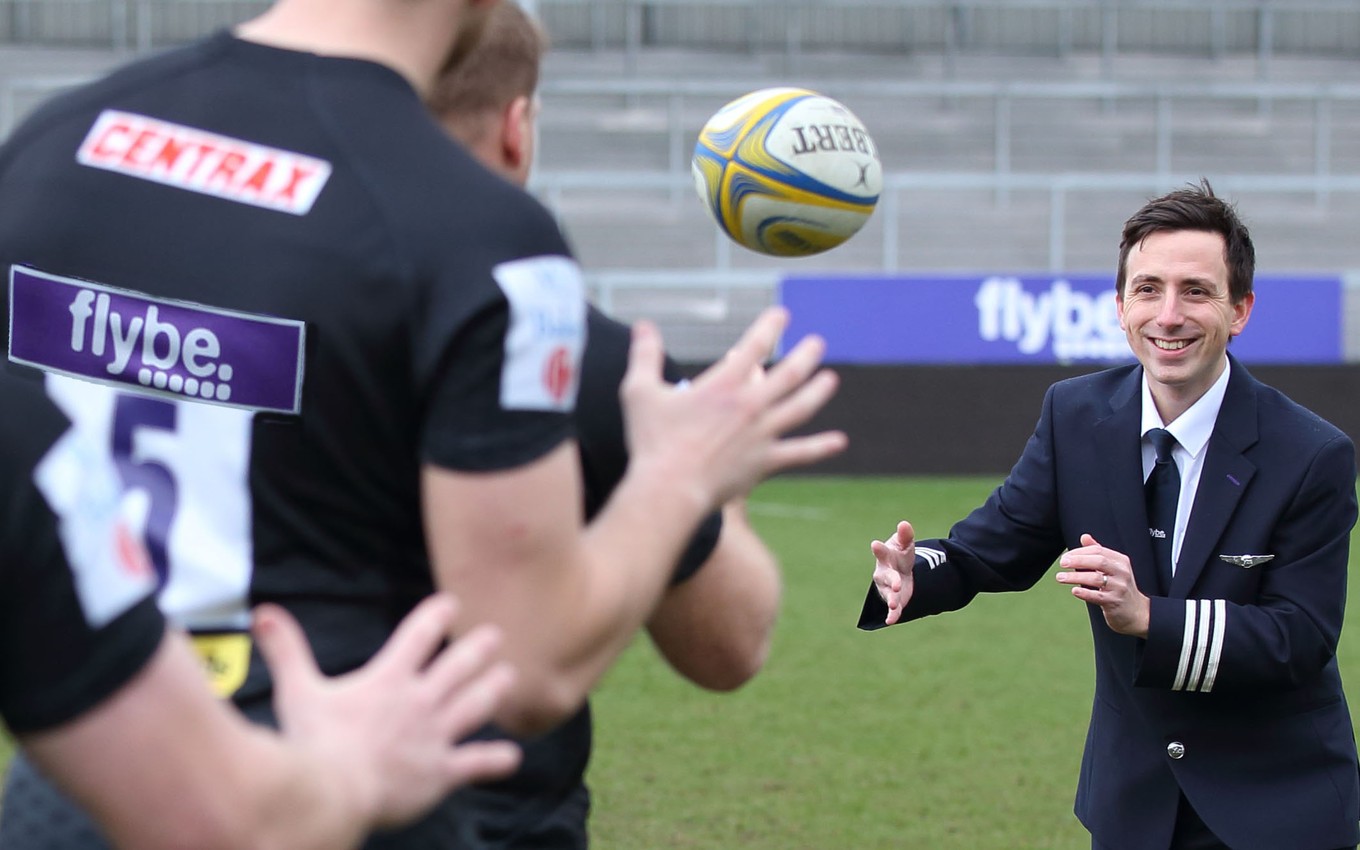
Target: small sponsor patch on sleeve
x,y
200,161
155,346
547,332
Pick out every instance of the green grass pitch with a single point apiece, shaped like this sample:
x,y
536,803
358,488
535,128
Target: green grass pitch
x,y
960,732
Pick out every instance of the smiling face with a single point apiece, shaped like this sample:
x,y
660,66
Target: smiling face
x,y
1178,313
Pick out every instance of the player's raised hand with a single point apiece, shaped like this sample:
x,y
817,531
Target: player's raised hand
x,y
391,728
893,562
725,431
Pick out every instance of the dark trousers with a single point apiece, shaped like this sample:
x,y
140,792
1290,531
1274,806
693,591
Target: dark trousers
x,y
1190,833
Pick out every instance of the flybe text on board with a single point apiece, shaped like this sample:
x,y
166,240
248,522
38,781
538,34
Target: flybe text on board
x,y
1072,324
1007,318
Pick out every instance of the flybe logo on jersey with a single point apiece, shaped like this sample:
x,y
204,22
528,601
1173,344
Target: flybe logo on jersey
x,y
154,345
204,162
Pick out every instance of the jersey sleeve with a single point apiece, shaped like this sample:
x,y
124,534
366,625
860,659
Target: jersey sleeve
x,y
54,663
499,342
55,667
600,431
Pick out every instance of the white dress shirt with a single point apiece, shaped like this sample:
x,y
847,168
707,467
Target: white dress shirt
x,y
1192,430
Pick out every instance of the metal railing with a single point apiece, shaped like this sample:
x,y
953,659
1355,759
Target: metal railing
x,y
1169,107
1319,175
1215,28
1332,109
1059,189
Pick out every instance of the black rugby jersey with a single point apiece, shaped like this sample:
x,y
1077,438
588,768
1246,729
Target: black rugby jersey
x,y
266,289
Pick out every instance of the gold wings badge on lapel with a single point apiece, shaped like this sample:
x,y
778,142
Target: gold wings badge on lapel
x,y
1246,561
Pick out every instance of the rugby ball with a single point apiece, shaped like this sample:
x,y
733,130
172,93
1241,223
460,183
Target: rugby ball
x,y
787,171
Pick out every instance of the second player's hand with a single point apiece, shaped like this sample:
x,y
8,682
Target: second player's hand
x,y
393,726
893,562
726,430
1104,577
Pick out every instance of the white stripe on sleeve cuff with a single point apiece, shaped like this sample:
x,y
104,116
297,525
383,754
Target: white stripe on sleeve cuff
x,y
932,557
1206,620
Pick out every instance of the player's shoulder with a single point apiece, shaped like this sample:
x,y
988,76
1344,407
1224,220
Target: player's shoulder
x,y
473,199
446,206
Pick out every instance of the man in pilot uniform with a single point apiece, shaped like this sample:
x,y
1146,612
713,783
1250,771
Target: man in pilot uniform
x,y
1206,520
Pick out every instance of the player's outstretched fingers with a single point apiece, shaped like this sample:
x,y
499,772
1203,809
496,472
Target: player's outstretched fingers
x,y
795,367
467,657
795,410
802,403
285,650
887,562
758,341
418,635
793,452
646,353
888,581
470,706
752,349
481,761
905,533
471,687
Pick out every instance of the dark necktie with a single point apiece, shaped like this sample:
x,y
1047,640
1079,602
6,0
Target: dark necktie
x,y
1163,491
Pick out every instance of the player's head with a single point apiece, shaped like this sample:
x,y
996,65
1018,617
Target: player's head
x,y
486,100
1195,207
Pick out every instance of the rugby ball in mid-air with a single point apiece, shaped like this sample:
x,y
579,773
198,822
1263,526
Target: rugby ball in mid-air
x,y
787,171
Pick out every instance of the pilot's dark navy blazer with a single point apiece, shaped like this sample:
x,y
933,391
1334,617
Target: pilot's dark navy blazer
x,y
1234,697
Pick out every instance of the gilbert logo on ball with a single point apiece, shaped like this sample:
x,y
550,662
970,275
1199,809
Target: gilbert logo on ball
x,y
787,171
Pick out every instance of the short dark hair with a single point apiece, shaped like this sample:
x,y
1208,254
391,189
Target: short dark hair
x,y
502,66
1195,207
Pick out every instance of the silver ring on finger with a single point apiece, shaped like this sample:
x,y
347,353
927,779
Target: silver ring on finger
x,y
1104,580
